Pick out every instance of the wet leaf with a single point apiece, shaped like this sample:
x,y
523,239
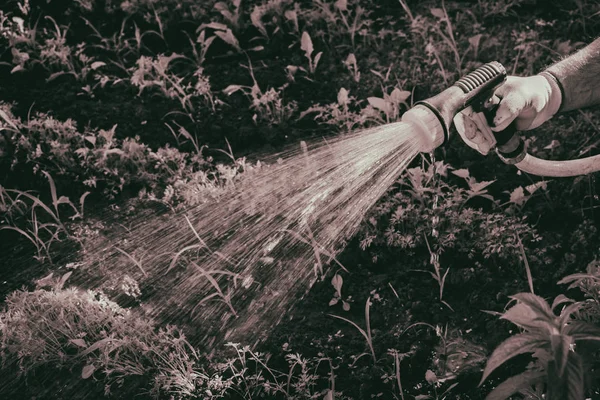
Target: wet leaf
x,y
341,5
518,197
463,173
399,96
97,64
306,44
430,377
337,281
78,342
342,97
379,104
437,12
231,89
88,370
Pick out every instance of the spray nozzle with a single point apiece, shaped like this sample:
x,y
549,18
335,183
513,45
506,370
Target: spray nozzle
x,y
472,94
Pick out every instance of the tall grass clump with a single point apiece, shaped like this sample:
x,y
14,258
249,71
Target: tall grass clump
x,y
56,334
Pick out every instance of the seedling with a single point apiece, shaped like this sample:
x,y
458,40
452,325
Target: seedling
x,y
306,44
352,66
366,333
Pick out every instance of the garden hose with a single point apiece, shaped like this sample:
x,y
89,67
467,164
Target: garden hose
x,y
432,118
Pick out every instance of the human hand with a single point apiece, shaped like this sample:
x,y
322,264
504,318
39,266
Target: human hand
x,y
529,102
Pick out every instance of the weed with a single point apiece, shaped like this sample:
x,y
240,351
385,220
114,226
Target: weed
x,y
352,66
74,330
40,232
156,73
306,45
366,333
269,106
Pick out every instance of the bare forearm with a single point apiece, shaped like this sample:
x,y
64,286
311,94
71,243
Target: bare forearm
x,y
579,75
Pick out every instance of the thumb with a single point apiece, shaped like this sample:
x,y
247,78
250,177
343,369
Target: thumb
x,y
509,108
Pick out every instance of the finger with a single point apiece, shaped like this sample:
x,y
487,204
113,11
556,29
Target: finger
x,y
510,107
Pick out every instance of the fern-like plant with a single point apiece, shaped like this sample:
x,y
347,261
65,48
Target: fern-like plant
x,y
552,340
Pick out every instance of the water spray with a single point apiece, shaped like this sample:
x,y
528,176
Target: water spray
x,y
473,95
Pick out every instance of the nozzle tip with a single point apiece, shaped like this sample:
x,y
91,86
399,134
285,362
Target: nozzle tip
x,y
428,127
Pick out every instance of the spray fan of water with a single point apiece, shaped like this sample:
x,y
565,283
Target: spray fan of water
x,y
233,268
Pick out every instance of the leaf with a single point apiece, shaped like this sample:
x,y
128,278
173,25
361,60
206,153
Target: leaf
x,y
565,314
477,187
514,384
575,377
17,69
539,305
531,189
306,44
560,345
438,13
463,173
342,97
560,299
517,196
91,139
345,305
8,120
522,315
341,5
553,144
337,281
399,96
97,64
231,89
581,330
229,38
316,60
88,370
256,18
213,25
334,301
430,377
55,75
379,104
350,60
78,342
511,347
63,280
474,41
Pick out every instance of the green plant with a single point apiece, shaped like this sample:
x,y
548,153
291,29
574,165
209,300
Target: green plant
x,y
553,341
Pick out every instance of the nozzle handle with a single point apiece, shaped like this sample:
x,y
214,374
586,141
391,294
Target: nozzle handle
x,y
509,144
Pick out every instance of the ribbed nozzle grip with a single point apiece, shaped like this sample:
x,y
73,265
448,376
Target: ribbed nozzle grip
x,y
483,80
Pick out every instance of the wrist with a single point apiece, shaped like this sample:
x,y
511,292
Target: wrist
x,y
555,93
